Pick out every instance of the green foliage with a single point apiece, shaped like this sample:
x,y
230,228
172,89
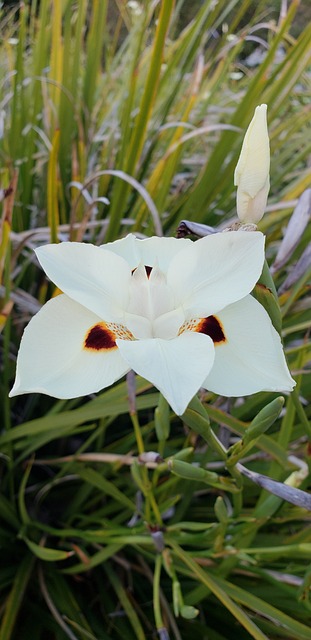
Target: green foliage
x,y
114,117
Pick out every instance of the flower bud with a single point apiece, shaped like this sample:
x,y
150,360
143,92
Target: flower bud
x,y
251,176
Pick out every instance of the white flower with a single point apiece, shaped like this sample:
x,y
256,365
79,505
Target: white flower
x,y
176,311
252,171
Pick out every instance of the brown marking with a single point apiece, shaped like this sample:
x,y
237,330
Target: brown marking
x,y
263,287
147,269
100,338
212,327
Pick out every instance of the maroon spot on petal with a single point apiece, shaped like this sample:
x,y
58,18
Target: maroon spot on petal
x,y
212,327
100,338
147,269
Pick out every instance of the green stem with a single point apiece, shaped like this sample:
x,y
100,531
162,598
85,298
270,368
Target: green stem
x,y
148,493
197,419
156,593
301,412
155,507
137,431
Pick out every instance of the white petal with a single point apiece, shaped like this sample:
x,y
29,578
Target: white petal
x,y
216,271
252,357
254,161
97,279
149,296
251,210
140,327
52,359
161,296
139,301
176,367
168,325
165,326
149,251
252,171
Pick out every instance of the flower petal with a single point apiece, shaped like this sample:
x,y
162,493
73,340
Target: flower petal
x,y
216,271
252,357
149,296
150,251
176,367
61,356
250,210
253,165
167,326
97,279
252,171
138,325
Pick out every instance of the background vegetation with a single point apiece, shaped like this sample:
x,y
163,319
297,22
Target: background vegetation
x,y
118,117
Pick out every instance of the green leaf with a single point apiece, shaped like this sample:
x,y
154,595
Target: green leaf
x,y
107,488
261,423
293,628
44,553
15,598
266,298
125,602
7,513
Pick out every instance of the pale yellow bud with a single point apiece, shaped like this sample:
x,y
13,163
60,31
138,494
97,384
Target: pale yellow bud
x,y
251,176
